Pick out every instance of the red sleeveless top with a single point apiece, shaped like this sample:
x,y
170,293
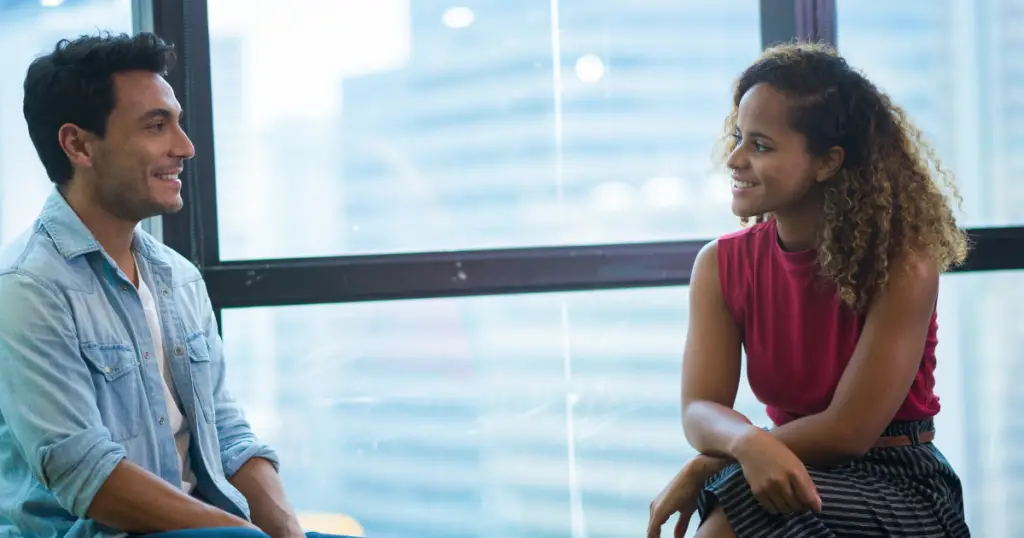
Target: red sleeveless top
x,y
798,335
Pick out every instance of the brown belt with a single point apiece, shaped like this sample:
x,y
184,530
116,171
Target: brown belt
x,y
903,440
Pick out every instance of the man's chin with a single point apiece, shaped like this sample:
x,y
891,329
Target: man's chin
x,y
172,209
168,207
158,209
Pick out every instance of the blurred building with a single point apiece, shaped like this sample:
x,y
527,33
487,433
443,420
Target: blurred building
x,y
420,126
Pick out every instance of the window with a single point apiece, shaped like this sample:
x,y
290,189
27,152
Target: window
x,y
541,412
980,334
28,29
401,127
953,65
395,125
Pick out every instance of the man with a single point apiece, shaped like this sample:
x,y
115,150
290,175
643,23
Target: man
x,y
114,418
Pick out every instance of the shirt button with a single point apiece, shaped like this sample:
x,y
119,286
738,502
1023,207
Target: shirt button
x,y
124,288
107,369
161,421
178,351
166,293
146,354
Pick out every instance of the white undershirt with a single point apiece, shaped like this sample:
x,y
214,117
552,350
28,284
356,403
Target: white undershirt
x,y
179,426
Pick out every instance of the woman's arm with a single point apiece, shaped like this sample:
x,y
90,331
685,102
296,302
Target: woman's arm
x,y
873,386
711,373
711,364
880,372
681,494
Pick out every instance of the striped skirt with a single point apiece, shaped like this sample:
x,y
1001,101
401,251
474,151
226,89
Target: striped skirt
x,y
899,491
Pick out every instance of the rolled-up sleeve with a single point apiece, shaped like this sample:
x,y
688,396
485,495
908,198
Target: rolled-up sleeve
x,y
238,443
47,396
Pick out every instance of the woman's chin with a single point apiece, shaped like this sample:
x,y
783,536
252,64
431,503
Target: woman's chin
x,y
745,211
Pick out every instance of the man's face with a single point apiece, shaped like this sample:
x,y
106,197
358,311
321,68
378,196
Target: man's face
x,y
136,165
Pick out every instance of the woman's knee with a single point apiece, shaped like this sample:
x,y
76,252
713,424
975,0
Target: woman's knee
x,y
716,526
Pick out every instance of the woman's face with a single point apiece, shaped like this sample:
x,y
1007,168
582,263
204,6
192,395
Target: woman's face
x,y
772,172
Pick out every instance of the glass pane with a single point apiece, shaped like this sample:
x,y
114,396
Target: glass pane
x,y
28,29
981,334
432,127
554,414
954,65
547,415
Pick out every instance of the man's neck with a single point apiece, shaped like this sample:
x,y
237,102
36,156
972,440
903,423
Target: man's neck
x,y
113,234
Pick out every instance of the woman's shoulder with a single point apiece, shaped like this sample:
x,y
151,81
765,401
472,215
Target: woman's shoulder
x,y
747,237
736,254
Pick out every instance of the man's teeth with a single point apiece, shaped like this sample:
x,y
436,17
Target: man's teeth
x,y
169,177
742,184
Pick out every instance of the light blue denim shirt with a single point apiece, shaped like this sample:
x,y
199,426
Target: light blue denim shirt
x,y
80,389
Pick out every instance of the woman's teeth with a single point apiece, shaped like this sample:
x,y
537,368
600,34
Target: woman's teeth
x,y
742,184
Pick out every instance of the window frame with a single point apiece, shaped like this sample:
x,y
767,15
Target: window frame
x,y
193,232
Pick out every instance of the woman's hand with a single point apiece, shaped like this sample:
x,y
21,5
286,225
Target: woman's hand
x,y
777,478
680,495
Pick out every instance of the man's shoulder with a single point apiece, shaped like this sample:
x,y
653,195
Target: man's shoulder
x,y
33,254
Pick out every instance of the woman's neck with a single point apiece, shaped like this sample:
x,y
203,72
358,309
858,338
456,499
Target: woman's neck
x,y
798,229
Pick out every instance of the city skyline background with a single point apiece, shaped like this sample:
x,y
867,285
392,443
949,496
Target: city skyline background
x,y
351,127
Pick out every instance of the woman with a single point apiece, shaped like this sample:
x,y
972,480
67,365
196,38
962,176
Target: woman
x,y
832,294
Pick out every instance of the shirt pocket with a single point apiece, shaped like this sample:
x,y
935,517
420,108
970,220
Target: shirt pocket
x,y
115,374
202,375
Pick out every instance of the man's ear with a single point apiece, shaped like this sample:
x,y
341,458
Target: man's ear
x,y
830,163
78,144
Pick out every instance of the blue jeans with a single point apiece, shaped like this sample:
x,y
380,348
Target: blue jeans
x,y
226,532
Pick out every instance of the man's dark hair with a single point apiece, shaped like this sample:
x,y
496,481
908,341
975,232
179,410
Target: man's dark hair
x,y
75,84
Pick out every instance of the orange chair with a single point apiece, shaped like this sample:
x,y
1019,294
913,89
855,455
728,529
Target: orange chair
x,y
331,524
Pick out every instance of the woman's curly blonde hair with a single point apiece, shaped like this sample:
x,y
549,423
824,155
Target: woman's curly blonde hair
x,y
884,202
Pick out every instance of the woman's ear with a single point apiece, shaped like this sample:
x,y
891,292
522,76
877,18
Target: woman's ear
x,y
830,163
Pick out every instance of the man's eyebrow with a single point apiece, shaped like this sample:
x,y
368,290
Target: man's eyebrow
x,y
161,113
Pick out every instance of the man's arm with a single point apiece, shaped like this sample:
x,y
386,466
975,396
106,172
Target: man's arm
x,y
250,465
134,500
48,401
259,483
